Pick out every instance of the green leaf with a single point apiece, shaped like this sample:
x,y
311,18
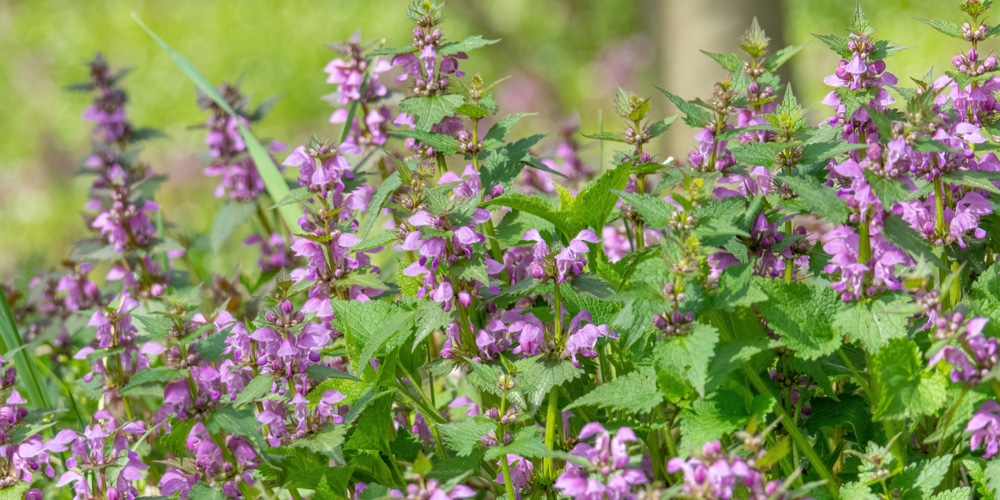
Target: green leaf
x,y
324,441
534,205
470,43
389,51
464,436
655,211
24,362
851,410
596,200
202,490
884,49
455,468
919,480
257,388
368,326
229,217
908,390
236,423
592,285
471,269
442,144
689,354
659,127
634,392
151,375
802,314
979,179
710,418
211,347
500,129
320,373
472,111
364,279
857,491
822,151
607,136
379,240
757,153
535,377
730,62
963,493
528,443
823,200
837,43
294,197
275,183
874,322
899,232
694,115
429,111
431,317
502,165
950,29
779,58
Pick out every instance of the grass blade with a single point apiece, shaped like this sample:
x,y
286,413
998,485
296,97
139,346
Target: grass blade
x,y
277,188
27,372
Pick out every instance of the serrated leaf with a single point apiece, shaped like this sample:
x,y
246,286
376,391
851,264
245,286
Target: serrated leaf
x,y
324,441
320,373
464,436
837,43
907,389
503,164
501,128
527,443
730,62
757,153
634,392
236,423
689,354
710,418
657,128
656,212
368,326
533,205
596,200
874,322
802,314
823,200
257,388
950,29
694,115
229,217
535,377
363,279
211,347
857,491
379,240
978,179
470,43
442,144
899,232
851,410
779,58
430,110
919,480
822,151
592,285
202,490
472,111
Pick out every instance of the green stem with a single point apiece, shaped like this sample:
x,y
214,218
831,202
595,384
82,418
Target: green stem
x,y
864,242
551,423
507,484
796,435
854,371
294,492
947,419
939,208
789,262
557,320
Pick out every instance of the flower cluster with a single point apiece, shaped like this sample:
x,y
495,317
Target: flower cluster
x,y
608,475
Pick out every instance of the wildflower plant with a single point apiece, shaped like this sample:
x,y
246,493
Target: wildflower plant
x,y
444,308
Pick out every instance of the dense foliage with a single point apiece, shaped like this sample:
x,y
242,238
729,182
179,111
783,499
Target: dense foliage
x,y
441,310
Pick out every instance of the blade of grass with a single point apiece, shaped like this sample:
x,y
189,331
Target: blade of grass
x,y
277,188
27,372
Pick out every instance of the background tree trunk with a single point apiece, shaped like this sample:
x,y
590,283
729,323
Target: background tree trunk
x,y
681,29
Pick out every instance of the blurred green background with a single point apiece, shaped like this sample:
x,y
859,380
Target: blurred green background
x,y
564,57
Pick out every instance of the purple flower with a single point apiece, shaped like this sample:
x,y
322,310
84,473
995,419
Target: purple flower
x,y
985,428
323,166
127,226
431,490
521,471
608,475
581,340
